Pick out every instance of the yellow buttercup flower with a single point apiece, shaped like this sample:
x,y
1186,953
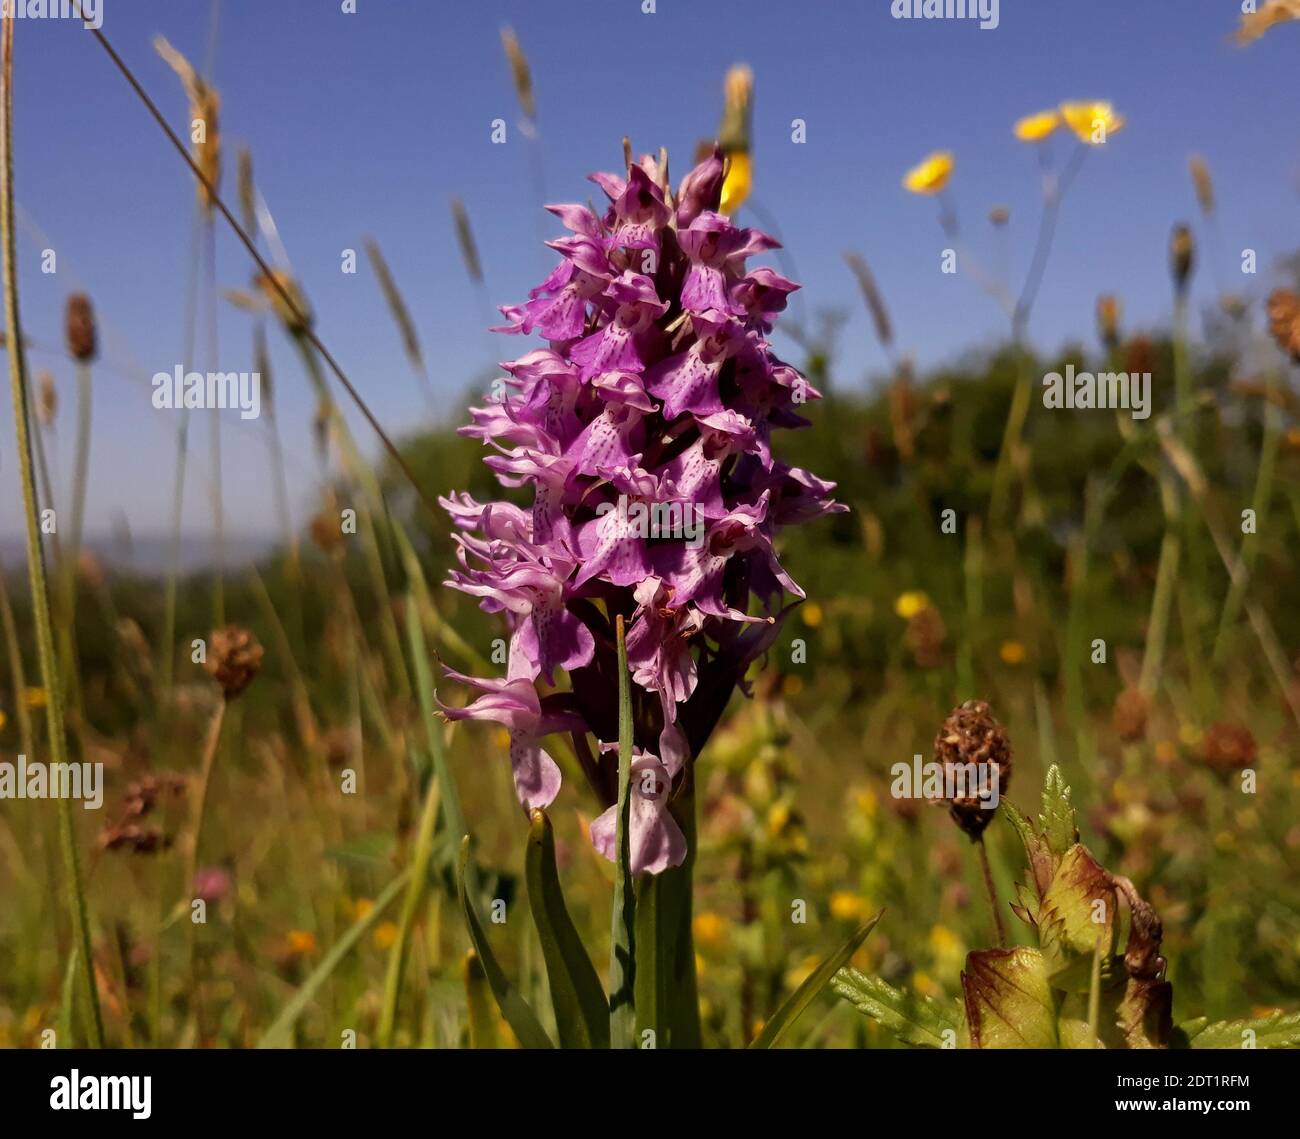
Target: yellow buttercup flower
x,y
738,181
1012,652
812,614
911,603
1094,123
300,942
847,906
385,934
1035,128
710,928
930,176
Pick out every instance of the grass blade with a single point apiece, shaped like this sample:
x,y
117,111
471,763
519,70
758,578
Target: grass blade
x,y
805,994
277,1036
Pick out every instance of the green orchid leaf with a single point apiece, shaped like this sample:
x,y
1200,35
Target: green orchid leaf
x,y
521,1018
581,1010
1008,1000
914,1019
667,990
784,1017
478,1002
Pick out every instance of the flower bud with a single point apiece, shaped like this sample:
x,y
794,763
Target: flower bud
x,y
1182,256
1108,321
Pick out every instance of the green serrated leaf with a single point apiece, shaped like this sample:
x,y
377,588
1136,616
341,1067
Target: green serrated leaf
x,y
914,1019
521,1018
1057,819
581,1010
781,1020
1277,1030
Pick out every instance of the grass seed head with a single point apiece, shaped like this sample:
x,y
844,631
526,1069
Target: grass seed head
x,y
234,658
1284,321
1182,256
79,326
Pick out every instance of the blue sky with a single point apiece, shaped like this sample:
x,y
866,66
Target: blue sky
x,y
368,124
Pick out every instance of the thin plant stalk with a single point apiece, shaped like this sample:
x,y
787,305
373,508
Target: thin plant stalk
x,y
1250,543
16,671
210,746
35,556
987,872
622,963
415,890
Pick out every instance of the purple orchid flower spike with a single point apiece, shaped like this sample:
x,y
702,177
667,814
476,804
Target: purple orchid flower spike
x,y
643,432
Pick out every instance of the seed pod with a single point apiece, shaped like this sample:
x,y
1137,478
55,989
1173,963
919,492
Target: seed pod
x,y
875,302
1228,747
1203,183
1284,321
79,325
234,657
1129,716
465,239
1182,256
520,73
296,318
925,636
971,735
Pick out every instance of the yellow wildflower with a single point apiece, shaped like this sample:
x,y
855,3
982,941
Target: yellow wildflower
x,y
812,614
1035,128
866,801
35,697
924,984
1093,123
930,176
1012,652
385,934
738,182
847,906
791,685
362,909
911,603
300,942
1190,735
710,928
